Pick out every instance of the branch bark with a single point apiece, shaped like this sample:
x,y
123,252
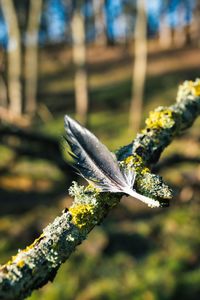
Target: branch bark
x,y
34,266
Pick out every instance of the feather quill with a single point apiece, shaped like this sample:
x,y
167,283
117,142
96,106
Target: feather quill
x,y
97,164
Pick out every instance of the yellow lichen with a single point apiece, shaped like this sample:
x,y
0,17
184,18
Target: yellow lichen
x,y
129,160
145,170
92,188
15,259
135,161
81,214
194,86
20,263
34,243
160,119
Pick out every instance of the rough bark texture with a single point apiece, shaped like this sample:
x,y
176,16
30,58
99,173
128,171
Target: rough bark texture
x,y
38,263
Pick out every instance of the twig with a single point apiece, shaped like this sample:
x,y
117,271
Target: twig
x,y
38,263
174,160
34,145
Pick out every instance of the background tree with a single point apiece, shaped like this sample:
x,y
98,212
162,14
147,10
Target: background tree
x,y
22,66
3,87
164,32
139,66
79,59
195,26
14,58
99,22
31,55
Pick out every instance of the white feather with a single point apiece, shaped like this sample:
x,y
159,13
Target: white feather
x,y
98,165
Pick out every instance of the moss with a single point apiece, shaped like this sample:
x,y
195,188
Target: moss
x,y
82,214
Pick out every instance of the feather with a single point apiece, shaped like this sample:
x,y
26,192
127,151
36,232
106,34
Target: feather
x,y
97,164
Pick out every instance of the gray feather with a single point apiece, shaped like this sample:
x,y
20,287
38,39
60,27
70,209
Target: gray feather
x,y
97,164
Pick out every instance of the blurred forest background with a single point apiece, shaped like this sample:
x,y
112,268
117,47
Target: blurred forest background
x,y
107,63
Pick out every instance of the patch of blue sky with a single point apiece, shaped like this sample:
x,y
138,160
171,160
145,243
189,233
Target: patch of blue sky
x,y
179,12
120,26
153,13
113,11
3,32
55,17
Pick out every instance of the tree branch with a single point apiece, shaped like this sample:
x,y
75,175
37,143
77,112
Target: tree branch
x,y
174,160
38,263
34,144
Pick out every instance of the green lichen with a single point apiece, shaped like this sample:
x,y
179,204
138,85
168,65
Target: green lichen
x,y
153,186
146,183
84,195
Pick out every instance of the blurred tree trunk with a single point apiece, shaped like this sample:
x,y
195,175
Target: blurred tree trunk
x,y
13,57
99,22
3,87
31,56
180,36
180,31
139,67
195,26
110,37
79,58
3,93
165,33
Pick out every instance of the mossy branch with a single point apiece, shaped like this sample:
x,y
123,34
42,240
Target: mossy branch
x,y
34,266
